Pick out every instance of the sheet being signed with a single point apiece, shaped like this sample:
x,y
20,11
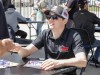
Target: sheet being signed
x,y
34,64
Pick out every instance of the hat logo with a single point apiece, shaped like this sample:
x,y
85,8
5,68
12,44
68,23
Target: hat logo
x,y
65,14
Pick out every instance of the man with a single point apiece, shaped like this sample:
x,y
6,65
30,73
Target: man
x,y
37,14
63,46
87,20
12,18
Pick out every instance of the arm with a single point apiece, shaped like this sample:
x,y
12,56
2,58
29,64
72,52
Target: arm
x,y
19,16
77,61
36,44
5,46
2,49
26,51
70,4
33,14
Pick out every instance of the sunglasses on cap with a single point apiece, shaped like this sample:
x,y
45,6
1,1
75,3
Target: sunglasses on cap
x,y
54,17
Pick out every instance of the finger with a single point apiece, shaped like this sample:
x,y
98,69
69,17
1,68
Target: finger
x,y
8,43
47,64
16,48
49,67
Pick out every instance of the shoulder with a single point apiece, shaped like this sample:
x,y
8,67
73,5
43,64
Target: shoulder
x,y
73,32
90,13
46,31
76,13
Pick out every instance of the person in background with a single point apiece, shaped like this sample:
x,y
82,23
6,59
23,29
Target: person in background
x,y
38,15
63,46
72,7
87,20
12,18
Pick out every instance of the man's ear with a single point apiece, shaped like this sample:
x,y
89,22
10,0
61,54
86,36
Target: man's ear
x,y
65,21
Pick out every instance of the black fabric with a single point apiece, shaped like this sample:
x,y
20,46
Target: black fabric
x,y
3,25
82,2
86,20
21,33
73,4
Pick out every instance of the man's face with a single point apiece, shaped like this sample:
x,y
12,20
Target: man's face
x,y
55,21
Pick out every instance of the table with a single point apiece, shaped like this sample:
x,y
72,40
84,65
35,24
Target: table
x,y
29,71
20,70
29,24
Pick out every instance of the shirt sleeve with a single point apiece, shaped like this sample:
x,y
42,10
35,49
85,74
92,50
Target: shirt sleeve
x,y
20,17
39,42
77,45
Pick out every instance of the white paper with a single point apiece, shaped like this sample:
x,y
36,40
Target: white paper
x,y
33,64
6,63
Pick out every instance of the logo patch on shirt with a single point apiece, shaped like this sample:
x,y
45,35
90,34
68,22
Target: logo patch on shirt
x,y
63,49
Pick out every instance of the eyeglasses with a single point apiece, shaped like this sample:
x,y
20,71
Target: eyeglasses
x,y
54,17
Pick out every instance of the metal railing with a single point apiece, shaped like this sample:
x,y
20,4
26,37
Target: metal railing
x,y
25,7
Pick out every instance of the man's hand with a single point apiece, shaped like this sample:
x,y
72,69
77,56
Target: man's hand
x,y
50,64
6,45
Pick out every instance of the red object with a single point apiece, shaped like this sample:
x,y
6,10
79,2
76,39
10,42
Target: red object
x,y
64,49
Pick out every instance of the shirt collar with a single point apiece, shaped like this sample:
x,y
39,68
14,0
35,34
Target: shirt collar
x,y
63,35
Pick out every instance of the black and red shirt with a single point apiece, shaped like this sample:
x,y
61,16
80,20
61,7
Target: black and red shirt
x,y
64,47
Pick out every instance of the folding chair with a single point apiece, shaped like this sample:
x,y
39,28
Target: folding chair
x,y
86,43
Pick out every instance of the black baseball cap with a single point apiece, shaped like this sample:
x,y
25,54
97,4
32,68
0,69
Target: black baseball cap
x,y
59,10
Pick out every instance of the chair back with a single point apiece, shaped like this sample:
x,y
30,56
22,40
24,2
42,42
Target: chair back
x,y
3,24
85,38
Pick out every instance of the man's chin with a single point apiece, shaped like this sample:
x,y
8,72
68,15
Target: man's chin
x,y
51,27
